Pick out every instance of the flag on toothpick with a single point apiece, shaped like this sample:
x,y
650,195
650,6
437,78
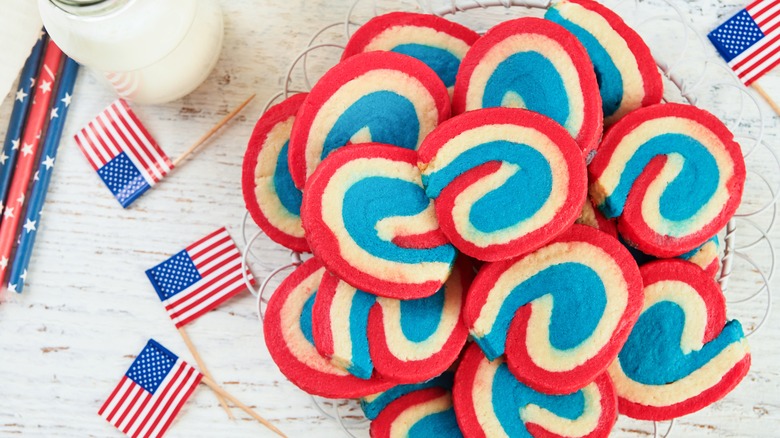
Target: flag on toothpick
x,y
199,278
750,40
124,154
151,393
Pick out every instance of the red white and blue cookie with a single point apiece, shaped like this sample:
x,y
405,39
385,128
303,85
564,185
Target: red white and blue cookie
x,y
419,414
490,402
382,97
707,256
561,313
373,404
368,220
269,193
681,355
505,181
673,176
538,65
627,75
288,335
592,217
406,341
436,41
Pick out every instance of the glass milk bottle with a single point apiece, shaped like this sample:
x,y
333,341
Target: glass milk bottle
x,y
151,51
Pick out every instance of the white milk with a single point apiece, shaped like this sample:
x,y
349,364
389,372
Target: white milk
x,y
151,51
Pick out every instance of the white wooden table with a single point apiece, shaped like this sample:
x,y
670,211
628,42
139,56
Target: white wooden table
x,y
88,306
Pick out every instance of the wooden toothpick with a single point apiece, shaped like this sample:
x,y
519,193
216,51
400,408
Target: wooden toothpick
x,y
766,97
212,131
203,369
216,388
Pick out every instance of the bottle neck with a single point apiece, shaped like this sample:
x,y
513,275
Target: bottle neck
x,y
89,8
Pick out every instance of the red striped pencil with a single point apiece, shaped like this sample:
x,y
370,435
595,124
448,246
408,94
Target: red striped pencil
x,y
39,112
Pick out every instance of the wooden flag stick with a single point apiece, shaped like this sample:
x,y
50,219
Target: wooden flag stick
x,y
766,97
212,131
203,368
216,388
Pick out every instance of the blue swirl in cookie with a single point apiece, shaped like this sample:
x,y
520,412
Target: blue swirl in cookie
x,y
652,355
519,198
532,78
381,113
374,198
441,61
579,299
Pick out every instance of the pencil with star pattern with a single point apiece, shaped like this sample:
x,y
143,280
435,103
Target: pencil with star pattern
x,y
42,176
22,101
39,113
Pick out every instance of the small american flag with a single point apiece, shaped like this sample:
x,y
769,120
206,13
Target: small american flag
x,y
124,154
151,393
199,278
750,40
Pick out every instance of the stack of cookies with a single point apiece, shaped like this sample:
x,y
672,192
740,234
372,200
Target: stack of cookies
x,y
478,208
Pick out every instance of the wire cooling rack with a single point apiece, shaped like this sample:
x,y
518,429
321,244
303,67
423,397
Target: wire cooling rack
x,y
693,73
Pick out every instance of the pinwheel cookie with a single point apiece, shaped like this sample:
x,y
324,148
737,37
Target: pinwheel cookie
x,y
440,43
269,193
673,176
561,313
626,71
419,414
373,404
504,181
288,335
367,218
538,65
382,97
681,355
406,341
490,402
592,217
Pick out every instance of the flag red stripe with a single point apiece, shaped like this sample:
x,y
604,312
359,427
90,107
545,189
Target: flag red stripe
x,y
758,52
171,392
746,70
120,405
101,149
137,413
138,393
207,288
763,72
203,263
153,149
130,138
86,150
767,19
192,247
238,289
160,396
178,407
200,299
111,397
758,7
106,137
125,137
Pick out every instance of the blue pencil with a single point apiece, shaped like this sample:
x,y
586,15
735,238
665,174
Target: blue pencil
x,y
43,176
22,103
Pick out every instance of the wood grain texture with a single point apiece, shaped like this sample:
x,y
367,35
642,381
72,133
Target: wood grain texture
x,y
88,306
